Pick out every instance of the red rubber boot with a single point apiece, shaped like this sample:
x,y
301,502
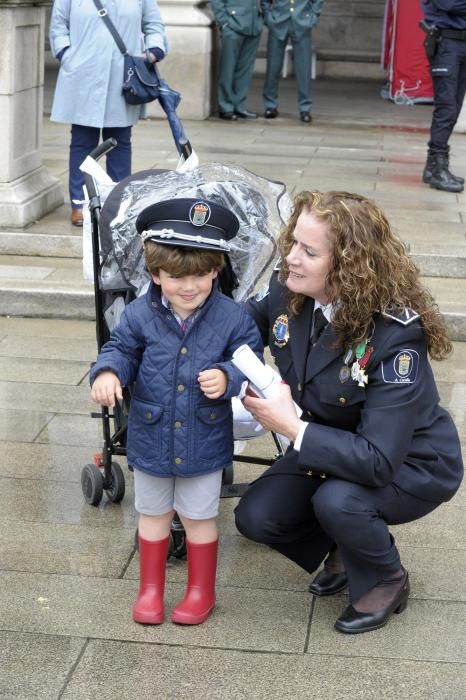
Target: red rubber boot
x,y
148,608
199,599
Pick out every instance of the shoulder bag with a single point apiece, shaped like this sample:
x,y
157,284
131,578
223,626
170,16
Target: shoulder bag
x,y
140,80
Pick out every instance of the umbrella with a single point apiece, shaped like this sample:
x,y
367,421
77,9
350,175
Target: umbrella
x,y
169,100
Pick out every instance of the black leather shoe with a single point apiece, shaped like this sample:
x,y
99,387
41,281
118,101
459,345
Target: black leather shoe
x,y
326,583
229,116
271,113
305,117
354,622
246,115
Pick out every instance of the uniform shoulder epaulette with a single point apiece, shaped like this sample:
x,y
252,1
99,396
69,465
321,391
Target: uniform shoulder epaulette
x,y
276,267
403,316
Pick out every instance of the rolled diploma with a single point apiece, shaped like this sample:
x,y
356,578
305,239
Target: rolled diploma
x,y
264,380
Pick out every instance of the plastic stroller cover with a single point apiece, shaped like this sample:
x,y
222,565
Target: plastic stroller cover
x,y
261,205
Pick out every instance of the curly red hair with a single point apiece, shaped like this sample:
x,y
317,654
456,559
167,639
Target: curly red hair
x,y
370,271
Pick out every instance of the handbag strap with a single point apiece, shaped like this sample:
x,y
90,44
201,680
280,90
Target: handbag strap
x,y
103,13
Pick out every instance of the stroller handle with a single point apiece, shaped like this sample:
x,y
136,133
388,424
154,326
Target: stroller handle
x,y
103,148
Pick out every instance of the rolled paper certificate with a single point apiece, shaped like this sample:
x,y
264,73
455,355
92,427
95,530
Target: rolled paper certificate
x,y
264,380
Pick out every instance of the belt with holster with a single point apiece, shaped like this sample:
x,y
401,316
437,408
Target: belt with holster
x,y
458,34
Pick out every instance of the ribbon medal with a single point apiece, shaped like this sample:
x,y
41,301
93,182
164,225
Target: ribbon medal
x,y
363,353
345,372
280,331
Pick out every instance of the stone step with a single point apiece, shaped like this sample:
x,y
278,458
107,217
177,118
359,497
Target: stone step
x,y
436,255
55,288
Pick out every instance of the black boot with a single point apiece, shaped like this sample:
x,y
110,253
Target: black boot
x,y
437,173
427,173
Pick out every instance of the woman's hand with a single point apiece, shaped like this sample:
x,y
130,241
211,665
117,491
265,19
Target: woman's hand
x,y
213,383
277,414
106,388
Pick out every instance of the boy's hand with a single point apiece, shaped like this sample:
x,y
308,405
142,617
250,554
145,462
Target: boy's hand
x,y
213,383
106,388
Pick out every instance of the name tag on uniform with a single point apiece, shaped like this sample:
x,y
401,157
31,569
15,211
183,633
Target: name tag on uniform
x,y
401,368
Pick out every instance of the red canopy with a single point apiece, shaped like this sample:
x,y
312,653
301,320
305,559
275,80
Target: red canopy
x,y
403,54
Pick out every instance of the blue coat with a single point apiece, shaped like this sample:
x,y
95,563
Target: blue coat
x,y
88,90
391,430
173,428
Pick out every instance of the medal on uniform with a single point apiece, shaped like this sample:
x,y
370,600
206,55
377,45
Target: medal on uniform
x,y
358,373
280,331
345,372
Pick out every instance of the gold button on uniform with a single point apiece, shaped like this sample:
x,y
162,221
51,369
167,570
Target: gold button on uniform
x,y
342,400
299,387
180,387
178,460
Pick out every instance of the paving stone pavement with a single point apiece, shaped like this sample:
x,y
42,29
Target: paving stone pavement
x,y
68,571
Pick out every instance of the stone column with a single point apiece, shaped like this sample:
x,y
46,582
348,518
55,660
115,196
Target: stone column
x,y
188,66
27,190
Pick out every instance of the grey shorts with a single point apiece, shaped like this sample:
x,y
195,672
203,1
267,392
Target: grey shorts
x,y
196,498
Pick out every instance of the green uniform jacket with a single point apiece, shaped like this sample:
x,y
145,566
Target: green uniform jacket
x,y
285,16
241,16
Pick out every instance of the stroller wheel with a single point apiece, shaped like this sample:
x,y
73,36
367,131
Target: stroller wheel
x,y
92,484
177,544
115,490
227,475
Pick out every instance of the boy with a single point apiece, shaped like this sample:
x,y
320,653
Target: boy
x,y
175,345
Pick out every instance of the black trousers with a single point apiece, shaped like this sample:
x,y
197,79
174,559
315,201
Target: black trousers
x,y
448,70
302,517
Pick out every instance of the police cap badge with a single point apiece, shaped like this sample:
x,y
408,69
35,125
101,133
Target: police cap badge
x,y
191,223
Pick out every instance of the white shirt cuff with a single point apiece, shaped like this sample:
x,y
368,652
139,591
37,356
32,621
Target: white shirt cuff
x,y
300,435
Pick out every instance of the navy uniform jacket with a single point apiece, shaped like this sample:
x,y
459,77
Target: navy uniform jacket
x,y
242,16
446,14
390,430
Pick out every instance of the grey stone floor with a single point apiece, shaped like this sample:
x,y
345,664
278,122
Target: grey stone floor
x,y
68,572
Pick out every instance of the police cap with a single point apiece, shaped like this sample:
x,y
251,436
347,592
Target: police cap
x,y
192,223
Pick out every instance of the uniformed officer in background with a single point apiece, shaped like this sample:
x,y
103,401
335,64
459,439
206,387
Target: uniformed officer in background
x,y
446,51
373,448
289,19
240,23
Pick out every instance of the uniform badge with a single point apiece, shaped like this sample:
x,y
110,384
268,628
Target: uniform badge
x,y
401,369
344,374
199,214
280,330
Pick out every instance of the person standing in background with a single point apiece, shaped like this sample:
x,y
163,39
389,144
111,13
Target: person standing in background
x,y
240,23
88,93
447,58
292,19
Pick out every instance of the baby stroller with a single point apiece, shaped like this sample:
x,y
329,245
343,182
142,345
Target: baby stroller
x,y
119,276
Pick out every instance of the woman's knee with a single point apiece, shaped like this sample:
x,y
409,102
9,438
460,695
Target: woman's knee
x,y
248,519
335,502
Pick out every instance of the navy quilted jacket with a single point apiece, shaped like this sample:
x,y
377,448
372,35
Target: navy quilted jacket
x,y
173,429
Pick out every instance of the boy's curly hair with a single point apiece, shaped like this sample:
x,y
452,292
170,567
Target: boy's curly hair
x,y
181,261
370,271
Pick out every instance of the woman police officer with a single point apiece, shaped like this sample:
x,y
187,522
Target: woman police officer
x,y
373,447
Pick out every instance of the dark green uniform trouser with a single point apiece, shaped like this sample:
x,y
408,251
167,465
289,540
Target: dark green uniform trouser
x,y
236,68
302,52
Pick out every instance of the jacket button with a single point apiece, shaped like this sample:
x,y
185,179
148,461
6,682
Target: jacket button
x,y
184,350
342,400
178,460
148,415
178,424
212,415
180,387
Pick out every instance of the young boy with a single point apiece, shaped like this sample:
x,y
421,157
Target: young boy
x,y
174,344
